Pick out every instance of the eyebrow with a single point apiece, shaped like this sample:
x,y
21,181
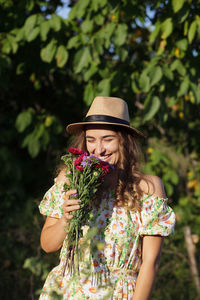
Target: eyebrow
x,y
105,136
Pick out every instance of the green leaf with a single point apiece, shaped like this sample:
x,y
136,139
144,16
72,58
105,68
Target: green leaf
x,y
20,34
103,87
155,32
98,44
177,5
88,94
133,83
155,75
82,59
151,109
74,42
86,26
55,23
61,56
182,44
44,29
12,42
120,34
177,65
29,25
90,72
6,46
33,34
47,53
23,120
144,82
107,33
79,9
167,72
180,68
196,92
166,28
183,87
99,19
192,31
33,147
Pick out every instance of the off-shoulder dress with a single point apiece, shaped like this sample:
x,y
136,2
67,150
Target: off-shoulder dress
x,y
108,272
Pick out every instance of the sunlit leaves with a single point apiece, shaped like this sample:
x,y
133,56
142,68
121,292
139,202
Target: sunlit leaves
x,y
82,59
192,31
151,108
36,130
61,56
177,5
55,22
47,53
44,29
30,24
23,120
166,28
103,87
89,93
155,75
144,82
120,34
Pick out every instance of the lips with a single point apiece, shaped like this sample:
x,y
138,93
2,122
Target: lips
x,y
105,157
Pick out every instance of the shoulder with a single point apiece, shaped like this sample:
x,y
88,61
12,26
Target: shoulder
x,y
61,178
152,185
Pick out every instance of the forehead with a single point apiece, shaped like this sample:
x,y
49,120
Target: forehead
x,y
99,130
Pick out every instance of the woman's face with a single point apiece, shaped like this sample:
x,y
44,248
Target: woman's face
x,y
103,143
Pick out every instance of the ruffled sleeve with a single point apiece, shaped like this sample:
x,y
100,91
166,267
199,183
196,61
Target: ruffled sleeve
x,y
157,218
51,204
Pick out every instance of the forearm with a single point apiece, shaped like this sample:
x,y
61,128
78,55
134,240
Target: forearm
x,y
52,236
145,281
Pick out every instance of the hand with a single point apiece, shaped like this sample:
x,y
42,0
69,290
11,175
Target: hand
x,y
70,205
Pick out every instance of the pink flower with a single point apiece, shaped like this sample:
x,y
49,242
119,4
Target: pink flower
x,y
75,151
79,168
79,159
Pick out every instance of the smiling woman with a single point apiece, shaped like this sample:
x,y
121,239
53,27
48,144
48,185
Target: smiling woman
x,y
130,214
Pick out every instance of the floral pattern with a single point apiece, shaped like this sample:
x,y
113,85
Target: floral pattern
x,y
111,271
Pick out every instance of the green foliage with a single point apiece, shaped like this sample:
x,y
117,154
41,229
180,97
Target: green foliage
x,y
51,69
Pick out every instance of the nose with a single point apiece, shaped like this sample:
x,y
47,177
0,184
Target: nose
x,y
99,149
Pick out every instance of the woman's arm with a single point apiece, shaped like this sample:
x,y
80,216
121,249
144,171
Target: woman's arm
x,y
54,230
151,251
151,247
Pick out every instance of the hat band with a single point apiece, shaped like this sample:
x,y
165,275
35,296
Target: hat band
x,y
105,118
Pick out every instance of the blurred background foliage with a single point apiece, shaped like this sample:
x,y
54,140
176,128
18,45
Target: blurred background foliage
x,y
52,65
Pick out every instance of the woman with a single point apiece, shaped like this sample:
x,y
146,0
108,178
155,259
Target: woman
x,y
131,215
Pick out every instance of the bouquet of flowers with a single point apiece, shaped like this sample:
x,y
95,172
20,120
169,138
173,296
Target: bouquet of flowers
x,y
85,173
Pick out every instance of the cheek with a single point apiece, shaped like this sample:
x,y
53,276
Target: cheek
x,y
89,147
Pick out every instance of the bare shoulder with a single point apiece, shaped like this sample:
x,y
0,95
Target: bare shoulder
x,y
61,178
152,185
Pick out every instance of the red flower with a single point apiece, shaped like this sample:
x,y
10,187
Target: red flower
x,y
79,168
105,167
79,159
75,151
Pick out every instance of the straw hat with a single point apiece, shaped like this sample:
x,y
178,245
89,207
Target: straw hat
x,y
108,111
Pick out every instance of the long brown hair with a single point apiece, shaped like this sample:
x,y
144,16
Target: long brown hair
x,y
128,192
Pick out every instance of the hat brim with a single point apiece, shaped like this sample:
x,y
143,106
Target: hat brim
x,y
76,128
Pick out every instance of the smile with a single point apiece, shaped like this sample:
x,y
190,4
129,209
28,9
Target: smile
x,y
105,157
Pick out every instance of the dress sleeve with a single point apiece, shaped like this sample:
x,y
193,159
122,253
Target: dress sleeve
x,y
51,204
157,218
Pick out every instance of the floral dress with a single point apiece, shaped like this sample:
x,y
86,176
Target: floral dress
x,y
110,270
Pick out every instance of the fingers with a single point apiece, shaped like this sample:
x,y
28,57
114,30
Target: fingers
x,y
70,204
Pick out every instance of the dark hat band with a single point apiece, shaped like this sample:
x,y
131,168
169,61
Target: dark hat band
x,y
105,118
